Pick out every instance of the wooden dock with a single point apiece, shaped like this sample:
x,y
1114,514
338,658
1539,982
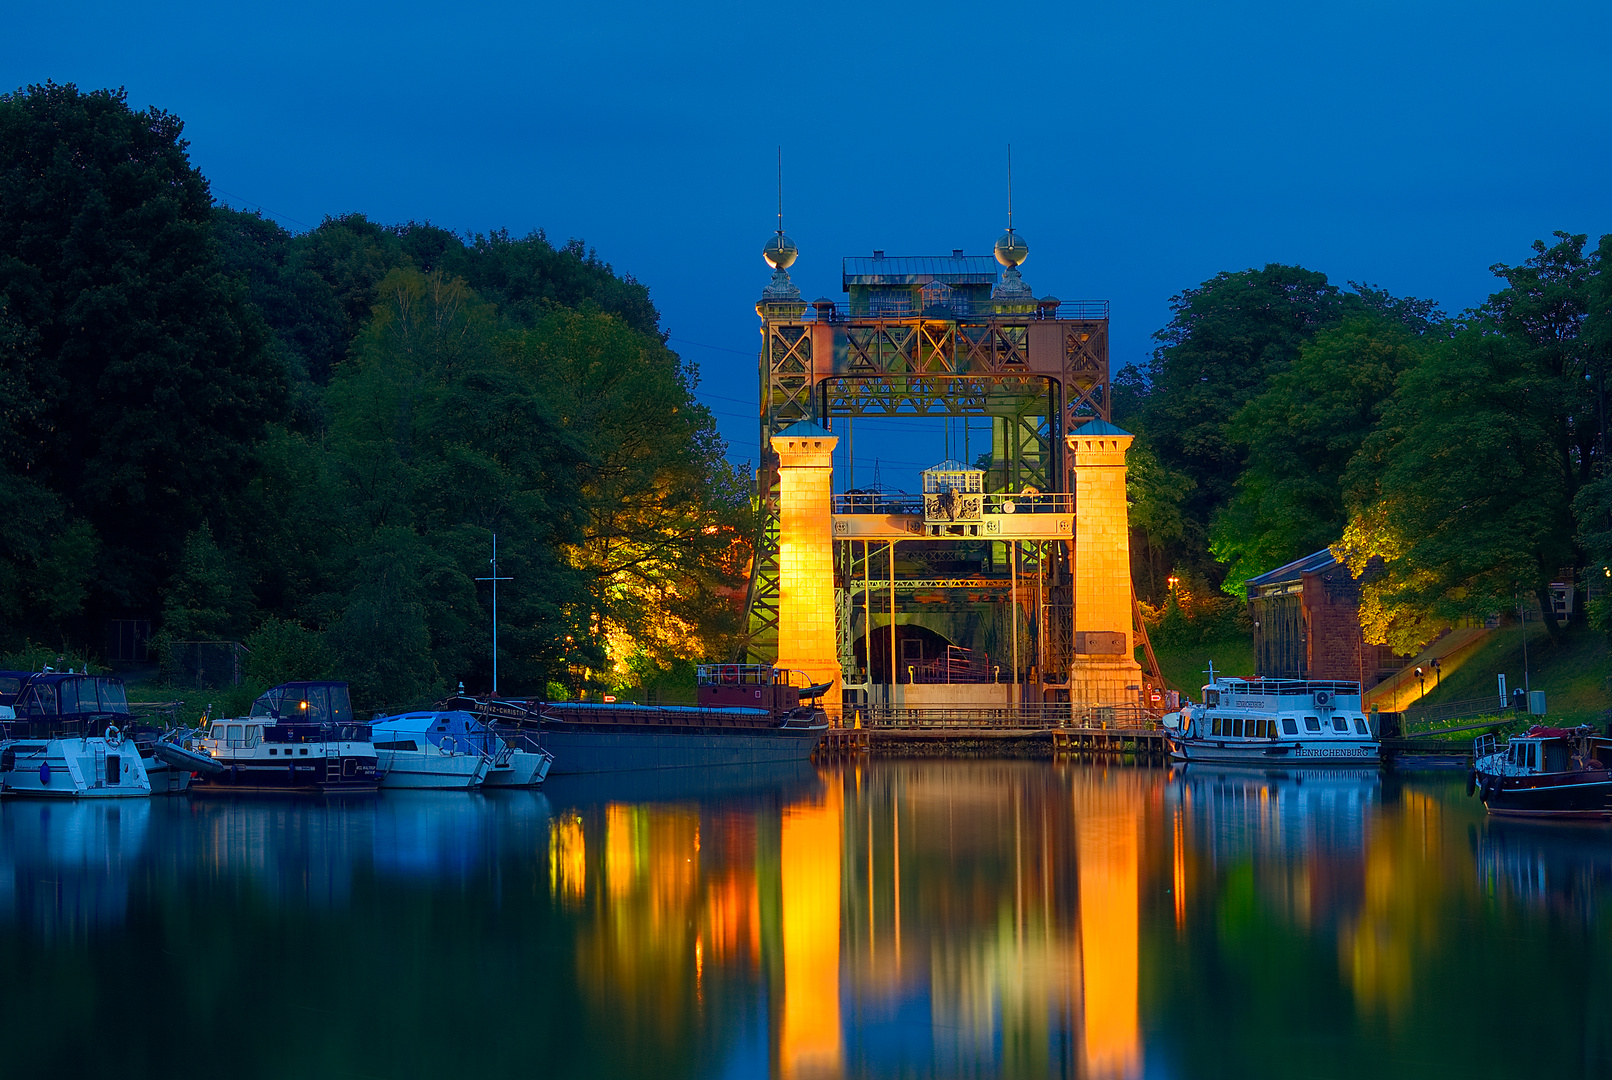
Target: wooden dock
x,y
992,740
841,742
1093,742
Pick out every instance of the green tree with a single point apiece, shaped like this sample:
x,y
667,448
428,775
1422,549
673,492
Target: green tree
x,y
664,513
1226,340
205,600
148,374
1467,487
1300,434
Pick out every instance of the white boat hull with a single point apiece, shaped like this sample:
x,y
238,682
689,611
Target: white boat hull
x,y
1276,754
430,769
75,768
523,770
165,779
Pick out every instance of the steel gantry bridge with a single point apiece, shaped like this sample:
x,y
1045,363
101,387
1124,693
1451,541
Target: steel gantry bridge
x,y
949,336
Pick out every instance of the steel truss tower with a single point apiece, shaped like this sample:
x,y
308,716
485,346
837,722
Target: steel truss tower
x,y
935,337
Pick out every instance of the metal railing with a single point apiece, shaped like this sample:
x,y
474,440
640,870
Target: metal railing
x,y
955,307
871,502
1451,710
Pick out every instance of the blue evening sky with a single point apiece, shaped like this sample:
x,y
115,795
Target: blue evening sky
x,y
1406,144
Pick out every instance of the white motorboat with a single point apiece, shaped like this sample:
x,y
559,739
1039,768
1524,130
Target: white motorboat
x,y
64,737
519,761
1274,723
419,750
299,738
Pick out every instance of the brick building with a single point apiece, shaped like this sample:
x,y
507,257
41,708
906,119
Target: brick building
x,y
1307,624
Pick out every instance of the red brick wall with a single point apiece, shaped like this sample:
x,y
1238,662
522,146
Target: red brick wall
x,y
1332,615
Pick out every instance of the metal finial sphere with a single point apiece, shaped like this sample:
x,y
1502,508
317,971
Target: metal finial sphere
x,y
1011,250
780,252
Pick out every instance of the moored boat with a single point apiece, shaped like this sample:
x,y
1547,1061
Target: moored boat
x,y
65,737
299,738
419,750
1274,723
747,714
1546,772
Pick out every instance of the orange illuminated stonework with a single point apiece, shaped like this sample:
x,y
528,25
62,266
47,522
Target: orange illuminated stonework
x,y
1105,670
806,640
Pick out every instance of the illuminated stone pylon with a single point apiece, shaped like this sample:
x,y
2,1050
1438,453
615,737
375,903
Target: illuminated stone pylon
x,y
806,640
1105,670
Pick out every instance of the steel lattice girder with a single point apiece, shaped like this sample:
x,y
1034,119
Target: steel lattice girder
x,y
1037,376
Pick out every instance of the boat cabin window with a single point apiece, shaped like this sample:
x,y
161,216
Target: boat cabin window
x,y
43,699
1237,727
265,705
1312,723
9,685
1290,726
1557,757
341,706
1533,755
235,736
113,696
1340,723
218,731
1360,726
1211,698
72,701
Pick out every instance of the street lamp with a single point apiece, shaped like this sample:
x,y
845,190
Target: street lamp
x,y
1421,678
1438,674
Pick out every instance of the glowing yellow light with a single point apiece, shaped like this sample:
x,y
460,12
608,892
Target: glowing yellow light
x,y
809,876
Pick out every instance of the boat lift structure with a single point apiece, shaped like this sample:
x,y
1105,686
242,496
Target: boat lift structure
x,y
1024,561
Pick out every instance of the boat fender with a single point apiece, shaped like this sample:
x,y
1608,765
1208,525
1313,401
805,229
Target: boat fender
x,y
1471,781
44,773
113,736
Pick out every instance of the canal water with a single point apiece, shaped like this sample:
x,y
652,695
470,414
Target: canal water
x,y
888,919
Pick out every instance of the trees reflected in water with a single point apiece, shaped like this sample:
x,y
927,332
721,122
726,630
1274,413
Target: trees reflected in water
x,y
888,918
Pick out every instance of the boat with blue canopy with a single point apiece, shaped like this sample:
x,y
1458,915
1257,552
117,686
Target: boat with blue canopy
x,y
67,737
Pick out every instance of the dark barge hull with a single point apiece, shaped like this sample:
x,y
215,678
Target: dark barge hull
x,y
590,748
282,780
1587,795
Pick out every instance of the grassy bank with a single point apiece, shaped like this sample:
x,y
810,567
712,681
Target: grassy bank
x,y
1573,673
1183,666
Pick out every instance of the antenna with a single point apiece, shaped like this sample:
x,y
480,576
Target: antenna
x,y
495,579
780,191
1010,188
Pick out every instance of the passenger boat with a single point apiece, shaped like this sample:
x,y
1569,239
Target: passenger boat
x,y
1545,773
746,714
1274,723
423,750
65,737
299,737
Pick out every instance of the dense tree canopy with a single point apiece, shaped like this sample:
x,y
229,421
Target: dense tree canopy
x,y
136,376
309,441
1467,487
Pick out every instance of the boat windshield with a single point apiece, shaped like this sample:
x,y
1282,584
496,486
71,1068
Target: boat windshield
x,y
267,704
113,696
341,706
42,698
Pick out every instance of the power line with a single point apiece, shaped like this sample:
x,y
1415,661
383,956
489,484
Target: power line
x,y
264,209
